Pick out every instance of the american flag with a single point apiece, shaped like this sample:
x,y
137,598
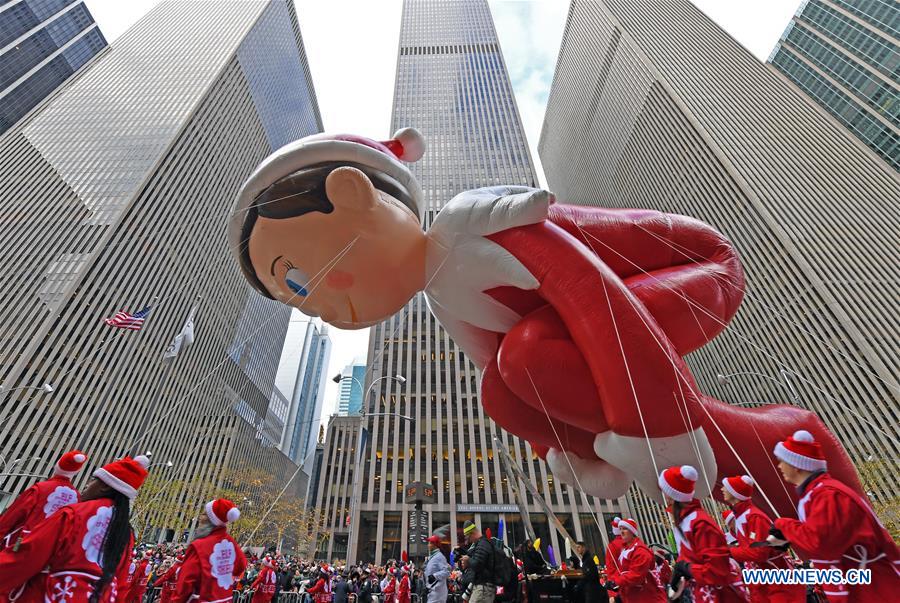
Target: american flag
x,y
124,320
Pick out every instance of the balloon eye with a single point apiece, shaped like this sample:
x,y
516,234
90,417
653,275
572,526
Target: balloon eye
x,y
296,282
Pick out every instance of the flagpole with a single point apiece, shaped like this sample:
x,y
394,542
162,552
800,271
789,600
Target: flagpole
x,y
148,420
82,440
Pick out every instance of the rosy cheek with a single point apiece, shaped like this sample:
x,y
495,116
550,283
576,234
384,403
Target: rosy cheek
x,y
338,279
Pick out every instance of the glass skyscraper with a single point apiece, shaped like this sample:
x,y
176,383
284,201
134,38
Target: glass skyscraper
x,y
654,106
844,55
42,43
116,193
351,394
453,86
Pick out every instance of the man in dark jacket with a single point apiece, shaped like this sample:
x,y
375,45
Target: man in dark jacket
x,y
365,587
340,590
480,559
587,590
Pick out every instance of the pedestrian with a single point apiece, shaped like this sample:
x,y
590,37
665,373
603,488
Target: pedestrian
x,y
168,579
437,570
837,527
587,590
213,562
366,587
264,585
532,560
480,559
751,525
634,580
81,551
139,579
38,502
703,559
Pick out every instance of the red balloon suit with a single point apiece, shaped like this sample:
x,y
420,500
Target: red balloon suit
x,y
593,361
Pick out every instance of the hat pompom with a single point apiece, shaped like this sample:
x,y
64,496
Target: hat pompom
x,y
142,460
413,144
803,436
80,458
233,514
689,472
748,480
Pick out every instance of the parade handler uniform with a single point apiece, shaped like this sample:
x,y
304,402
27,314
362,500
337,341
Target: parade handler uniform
x,y
212,563
264,585
837,528
636,563
60,558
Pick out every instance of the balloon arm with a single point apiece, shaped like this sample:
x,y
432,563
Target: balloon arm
x,y
593,302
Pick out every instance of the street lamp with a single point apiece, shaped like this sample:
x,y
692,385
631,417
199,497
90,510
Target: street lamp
x,y
724,379
7,465
46,388
167,464
358,451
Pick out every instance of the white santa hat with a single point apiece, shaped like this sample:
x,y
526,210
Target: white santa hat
x,y
630,525
802,451
678,483
125,475
70,463
222,511
739,486
615,526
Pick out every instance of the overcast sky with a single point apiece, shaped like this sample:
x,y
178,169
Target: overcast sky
x,y
353,61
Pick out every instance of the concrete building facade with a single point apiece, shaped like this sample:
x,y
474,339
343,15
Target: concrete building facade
x,y
114,195
655,106
453,86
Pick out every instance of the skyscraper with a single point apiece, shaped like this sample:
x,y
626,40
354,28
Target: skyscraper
x,y
117,192
42,43
302,374
844,54
351,394
655,106
452,85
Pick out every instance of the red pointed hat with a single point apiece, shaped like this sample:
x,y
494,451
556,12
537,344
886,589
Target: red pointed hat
x,y
630,525
222,511
802,451
70,463
727,516
739,486
125,475
678,483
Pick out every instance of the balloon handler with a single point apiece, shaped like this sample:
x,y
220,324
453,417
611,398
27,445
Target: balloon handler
x,y
579,317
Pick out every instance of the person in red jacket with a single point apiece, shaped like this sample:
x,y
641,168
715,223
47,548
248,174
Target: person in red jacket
x,y
613,550
837,528
703,558
634,579
169,580
139,579
264,585
214,561
41,500
751,525
81,553
321,590
403,585
662,572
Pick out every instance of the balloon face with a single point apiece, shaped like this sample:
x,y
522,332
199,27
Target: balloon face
x,y
354,261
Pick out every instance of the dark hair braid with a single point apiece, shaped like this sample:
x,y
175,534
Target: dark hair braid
x,y
115,541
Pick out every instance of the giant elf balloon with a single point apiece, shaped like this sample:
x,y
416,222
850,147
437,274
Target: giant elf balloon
x,y
578,317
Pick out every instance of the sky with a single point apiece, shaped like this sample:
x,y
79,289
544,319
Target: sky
x,y
353,59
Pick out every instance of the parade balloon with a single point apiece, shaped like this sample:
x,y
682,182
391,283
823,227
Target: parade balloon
x,y
404,556
597,560
487,533
537,544
500,527
578,317
551,556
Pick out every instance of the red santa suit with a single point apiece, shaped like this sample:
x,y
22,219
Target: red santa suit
x,y
662,573
612,552
837,529
168,581
634,578
751,525
60,556
321,591
139,581
403,589
264,585
68,544
390,591
211,566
